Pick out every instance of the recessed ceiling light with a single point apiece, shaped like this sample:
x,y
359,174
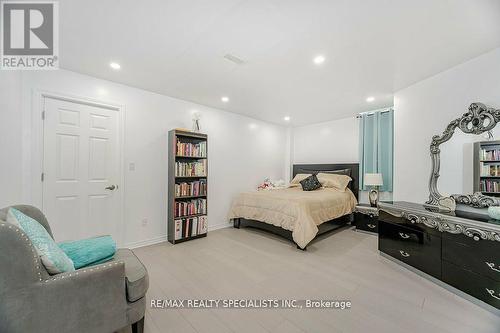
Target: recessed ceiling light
x,y
234,59
318,60
225,99
102,91
370,99
286,118
116,66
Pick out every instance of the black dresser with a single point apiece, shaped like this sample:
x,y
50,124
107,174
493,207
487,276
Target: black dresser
x,y
461,249
366,218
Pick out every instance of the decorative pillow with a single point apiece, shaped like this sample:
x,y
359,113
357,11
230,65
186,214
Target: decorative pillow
x,y
310,183
334,180
89,251
53,258
298,177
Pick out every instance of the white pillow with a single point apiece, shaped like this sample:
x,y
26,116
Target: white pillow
x,y
298,178
334,180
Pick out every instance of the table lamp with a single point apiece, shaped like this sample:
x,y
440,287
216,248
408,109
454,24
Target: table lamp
x,y
374,180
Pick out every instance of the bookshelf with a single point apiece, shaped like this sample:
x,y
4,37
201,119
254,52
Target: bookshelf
x,y
187,185
487,167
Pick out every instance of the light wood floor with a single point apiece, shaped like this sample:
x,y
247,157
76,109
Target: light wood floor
x,y
250,264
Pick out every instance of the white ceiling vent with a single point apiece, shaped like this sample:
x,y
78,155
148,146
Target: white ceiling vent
x,y
234,59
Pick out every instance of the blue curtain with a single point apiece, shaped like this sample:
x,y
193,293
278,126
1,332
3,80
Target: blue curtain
x,y
376,131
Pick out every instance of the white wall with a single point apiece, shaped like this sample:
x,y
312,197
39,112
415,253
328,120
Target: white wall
x,y
243,151
334,141
425,109
10,138
329,142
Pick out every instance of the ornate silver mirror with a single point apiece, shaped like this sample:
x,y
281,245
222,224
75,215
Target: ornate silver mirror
x,y
478,120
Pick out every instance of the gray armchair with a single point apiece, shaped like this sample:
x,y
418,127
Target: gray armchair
x,y
103,298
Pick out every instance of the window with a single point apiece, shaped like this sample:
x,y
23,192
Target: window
x,y
376,131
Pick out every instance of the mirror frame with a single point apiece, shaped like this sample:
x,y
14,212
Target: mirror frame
x,y
478,120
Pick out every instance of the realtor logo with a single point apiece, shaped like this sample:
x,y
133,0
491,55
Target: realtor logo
x,y
29,36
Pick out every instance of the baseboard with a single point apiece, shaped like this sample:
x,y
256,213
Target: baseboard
x,y
219,226
147,242
160,239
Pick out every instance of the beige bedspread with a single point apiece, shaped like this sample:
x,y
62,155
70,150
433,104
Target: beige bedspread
x,y
293,209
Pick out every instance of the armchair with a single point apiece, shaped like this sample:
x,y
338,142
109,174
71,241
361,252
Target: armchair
x,y
101,298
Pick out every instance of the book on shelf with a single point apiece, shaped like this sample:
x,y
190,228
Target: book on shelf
x,y
489,170
489,154
203,224
191,207
190,227
188,149
194,227
178,229
191,189
191,169
490,185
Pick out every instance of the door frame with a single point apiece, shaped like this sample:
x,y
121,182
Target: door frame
x,y
37,146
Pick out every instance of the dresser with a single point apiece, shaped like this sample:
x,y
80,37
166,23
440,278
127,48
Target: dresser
x,y
461,249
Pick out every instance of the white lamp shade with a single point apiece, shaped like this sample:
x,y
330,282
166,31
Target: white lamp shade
x,y
373,179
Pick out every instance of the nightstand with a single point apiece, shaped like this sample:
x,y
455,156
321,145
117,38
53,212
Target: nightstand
x,y
366,218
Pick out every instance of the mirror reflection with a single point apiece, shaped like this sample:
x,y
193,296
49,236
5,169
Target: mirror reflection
x,y
471,163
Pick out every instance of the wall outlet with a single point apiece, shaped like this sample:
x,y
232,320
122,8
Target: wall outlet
x,y
144,222
131,166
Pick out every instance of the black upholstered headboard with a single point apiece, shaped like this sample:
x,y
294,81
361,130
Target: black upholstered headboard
x,y
315,168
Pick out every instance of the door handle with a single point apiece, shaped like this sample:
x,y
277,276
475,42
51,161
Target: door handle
x,y
111,188
371,226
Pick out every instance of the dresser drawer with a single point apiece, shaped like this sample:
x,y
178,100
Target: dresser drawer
x,y
483,288
481,257
416,248
366,222
384,216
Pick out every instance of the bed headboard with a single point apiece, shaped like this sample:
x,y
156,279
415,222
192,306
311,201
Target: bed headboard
x,y
315,168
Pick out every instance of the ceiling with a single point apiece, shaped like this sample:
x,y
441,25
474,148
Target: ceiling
x,y
372,48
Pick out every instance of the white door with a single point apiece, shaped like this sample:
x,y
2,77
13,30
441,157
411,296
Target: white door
x,y
81,170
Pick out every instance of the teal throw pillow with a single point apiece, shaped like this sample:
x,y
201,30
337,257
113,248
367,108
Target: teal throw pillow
x,y
52,257
89,251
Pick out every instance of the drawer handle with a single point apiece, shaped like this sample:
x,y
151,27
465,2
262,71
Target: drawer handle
x,y
404,254
492,266
403,235
371,226
492,293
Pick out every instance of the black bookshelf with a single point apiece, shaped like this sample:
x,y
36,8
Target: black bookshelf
x,y
487,167
185,137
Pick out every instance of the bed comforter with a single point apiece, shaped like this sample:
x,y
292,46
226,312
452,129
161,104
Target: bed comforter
x,y
294,209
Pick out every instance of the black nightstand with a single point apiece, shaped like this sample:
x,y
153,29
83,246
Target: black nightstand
x,y
366,218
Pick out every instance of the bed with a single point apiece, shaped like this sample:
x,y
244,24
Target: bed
x,y
297,215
